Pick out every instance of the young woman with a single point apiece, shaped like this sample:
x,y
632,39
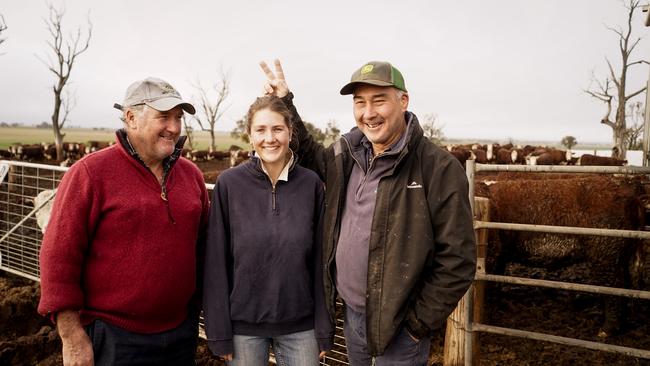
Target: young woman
x,y
263,273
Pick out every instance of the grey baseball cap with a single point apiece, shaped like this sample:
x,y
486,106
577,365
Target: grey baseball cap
x,y
156,93
378,73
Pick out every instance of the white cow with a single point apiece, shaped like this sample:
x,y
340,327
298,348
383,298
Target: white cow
x,y
45,199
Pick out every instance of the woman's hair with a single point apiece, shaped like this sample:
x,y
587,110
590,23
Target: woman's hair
x,y
271,103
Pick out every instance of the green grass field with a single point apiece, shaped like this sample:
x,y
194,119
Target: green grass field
x,y
32,135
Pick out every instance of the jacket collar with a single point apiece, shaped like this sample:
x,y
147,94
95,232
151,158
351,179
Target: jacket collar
x,y
168,162
254,165
413,132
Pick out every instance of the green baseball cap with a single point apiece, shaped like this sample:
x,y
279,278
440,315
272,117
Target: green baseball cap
x,y
378,73
156,93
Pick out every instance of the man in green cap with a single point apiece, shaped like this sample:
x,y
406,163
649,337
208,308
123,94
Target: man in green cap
x,y
399,243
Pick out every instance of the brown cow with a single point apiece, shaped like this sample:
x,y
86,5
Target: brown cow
x,y
592,202
594,160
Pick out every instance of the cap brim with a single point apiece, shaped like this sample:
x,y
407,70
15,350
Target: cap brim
x,y
349,87
165,104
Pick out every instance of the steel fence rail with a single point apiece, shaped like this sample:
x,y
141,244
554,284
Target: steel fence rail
x,y
634,352
635,294
630,234
563,169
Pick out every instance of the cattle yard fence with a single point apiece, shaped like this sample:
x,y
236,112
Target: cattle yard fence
x,y
462,320
20,235
20,240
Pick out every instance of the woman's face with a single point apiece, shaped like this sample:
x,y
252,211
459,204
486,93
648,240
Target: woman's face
x,y
270,137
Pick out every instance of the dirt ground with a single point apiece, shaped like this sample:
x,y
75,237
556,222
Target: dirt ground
x,y
27,339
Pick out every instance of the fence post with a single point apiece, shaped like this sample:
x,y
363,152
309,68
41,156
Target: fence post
x,y
481,213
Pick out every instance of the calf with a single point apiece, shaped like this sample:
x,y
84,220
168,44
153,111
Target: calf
x,y
93,146
238,156
31,152
44,200
220,155
200,155
594,160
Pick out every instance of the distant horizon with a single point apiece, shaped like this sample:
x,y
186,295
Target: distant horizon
x,y
451,139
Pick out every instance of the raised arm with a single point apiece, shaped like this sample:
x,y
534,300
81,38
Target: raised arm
x,y
311,154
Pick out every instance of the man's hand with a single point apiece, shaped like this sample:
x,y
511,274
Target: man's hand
x,y
322,354
275,83
227,357
77,347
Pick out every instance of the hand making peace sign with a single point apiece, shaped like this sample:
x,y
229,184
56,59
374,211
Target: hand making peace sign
x,y
276,84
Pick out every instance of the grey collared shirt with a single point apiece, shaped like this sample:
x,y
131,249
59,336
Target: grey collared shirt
x,y
356,222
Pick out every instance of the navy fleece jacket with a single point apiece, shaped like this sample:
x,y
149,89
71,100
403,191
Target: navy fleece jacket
x,y
263,267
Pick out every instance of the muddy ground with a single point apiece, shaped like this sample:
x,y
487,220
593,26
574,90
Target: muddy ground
x,y
27,339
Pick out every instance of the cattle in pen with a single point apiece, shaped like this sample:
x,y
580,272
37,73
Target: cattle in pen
x,y
589,202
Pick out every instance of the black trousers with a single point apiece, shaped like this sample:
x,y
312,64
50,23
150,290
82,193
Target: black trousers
x,y
115,346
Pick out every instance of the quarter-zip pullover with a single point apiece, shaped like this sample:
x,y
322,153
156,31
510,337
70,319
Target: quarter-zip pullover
x,y
263,264
113,251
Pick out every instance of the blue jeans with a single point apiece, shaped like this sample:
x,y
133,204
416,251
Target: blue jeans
x,y
115,346
402,351
295,349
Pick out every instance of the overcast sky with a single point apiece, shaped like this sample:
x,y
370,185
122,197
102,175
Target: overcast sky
x,y
488,69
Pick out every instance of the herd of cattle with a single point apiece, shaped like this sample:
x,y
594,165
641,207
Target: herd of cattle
x,y
73,151
529,155
483,154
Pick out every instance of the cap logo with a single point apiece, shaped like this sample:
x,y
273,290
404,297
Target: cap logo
x,y
366,69
166,88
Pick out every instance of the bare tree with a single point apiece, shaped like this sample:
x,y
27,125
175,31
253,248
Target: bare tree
x,y
66,49
3,27
613,90
189,132
431,129
332,130
636,115
211,107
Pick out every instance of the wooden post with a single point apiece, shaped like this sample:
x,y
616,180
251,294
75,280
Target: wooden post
x,y
454,350
481,213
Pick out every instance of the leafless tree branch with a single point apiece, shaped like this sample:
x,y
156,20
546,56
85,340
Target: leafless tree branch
x,y
3,27
638,62
65,50
212,106
617,99
628,97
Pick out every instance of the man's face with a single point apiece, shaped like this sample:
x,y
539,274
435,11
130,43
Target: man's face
x,y
154,133
379,113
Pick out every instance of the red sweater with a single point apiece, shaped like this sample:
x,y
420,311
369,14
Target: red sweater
x,y
115,250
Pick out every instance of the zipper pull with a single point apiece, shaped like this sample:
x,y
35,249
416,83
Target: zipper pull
x,y
163,195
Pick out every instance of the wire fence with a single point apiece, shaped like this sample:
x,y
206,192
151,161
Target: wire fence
x,y
21,236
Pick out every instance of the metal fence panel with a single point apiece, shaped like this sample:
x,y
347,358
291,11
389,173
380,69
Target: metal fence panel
x,y
21,237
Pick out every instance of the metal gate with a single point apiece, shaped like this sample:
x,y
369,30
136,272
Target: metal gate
x,y
471,327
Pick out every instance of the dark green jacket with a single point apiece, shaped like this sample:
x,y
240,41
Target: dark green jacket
x,y
422,253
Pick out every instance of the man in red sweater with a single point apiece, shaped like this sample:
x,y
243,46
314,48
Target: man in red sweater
x,y
119,257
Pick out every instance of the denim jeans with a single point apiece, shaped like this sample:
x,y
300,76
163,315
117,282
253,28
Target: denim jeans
x,y
115,346
402,351
295,349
